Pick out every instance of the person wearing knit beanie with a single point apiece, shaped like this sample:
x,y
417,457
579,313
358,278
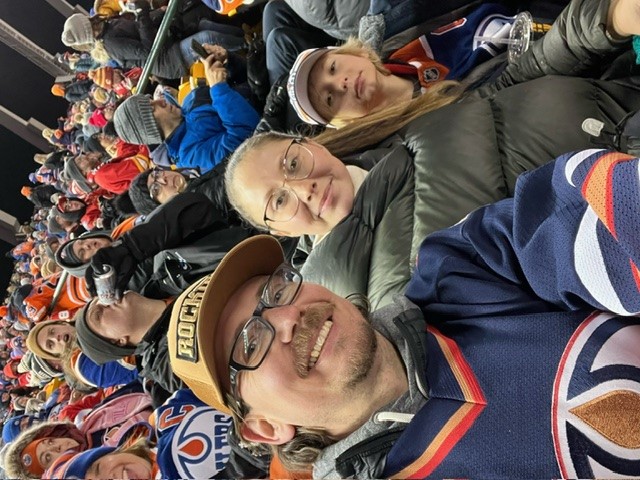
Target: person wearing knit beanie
x,y
77,465
58,89
49,267
15,425
140,195
63,328
53,225
10,369
94,346
77,31
69,260
168,182
22,460
201,134
26,191
103,77
72,172
135,123
70,209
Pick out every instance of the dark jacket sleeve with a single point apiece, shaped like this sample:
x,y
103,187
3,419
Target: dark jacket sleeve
x,y
126,51
157,367
170,224
146,28
576,45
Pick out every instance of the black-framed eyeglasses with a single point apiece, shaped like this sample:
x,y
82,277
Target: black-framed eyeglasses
x,y
254,341
297,164
155,187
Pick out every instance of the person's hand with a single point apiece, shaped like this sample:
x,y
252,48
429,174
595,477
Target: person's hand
x,y
218,52
623,19
76,395
215,71
117,256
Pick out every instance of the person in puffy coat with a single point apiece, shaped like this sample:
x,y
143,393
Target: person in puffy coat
x,y
435,169
129,41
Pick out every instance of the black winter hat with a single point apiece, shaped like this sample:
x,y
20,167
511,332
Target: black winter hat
x,y
72,172
73,215
94,346
140,195
67,259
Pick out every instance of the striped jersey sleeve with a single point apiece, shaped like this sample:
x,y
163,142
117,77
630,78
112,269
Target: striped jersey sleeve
x,y
607,241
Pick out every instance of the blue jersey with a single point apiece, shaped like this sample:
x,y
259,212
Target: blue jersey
x,y
525,379
192,437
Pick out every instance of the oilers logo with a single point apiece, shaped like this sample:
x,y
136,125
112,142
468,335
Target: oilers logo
x,y
596,400
195,449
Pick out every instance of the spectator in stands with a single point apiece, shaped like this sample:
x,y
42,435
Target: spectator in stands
x,y
211,124
36,449
135,325
114,175
15,425
79,211
415,170
129,41
182,416
32,452
511,288
181,241
50,339
43,343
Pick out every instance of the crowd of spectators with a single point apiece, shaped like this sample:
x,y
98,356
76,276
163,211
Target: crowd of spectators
x,y
160,184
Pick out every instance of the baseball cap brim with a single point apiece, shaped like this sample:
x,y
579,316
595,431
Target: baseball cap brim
x,y
196,314
298,85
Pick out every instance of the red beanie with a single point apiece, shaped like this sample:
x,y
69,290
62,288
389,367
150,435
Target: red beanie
x,y
8,371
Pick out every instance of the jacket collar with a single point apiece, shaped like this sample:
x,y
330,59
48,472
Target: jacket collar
x,y
157,330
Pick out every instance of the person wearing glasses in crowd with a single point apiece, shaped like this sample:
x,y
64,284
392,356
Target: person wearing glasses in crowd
x,y
186,233
432,168
493,363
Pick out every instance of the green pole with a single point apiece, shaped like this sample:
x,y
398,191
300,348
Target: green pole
x,y
158,43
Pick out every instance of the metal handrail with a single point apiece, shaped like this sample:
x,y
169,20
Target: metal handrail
x,y
57,292
158,43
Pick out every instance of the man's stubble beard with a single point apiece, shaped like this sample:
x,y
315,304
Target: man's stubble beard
x,y
362,345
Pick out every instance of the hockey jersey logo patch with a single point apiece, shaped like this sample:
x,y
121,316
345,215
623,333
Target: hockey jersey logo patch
x,y
596,400
195,448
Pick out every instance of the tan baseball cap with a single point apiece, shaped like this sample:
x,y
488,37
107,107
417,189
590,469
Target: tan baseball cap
x,y
195,315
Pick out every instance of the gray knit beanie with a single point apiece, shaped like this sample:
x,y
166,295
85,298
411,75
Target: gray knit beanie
x,y
77,31
135,123
94,346
72,172
53,226
140,195
67,259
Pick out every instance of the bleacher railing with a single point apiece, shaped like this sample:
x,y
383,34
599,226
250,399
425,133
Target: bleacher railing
x,y
158,43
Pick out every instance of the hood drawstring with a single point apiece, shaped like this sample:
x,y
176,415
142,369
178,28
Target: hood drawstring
x,y
381,417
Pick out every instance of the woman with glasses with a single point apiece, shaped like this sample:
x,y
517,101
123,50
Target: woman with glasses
x,y
366,227
155,187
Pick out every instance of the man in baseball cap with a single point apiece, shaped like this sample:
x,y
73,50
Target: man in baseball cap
x,y
492,363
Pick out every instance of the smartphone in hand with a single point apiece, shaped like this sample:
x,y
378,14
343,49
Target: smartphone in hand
x,y
199,49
